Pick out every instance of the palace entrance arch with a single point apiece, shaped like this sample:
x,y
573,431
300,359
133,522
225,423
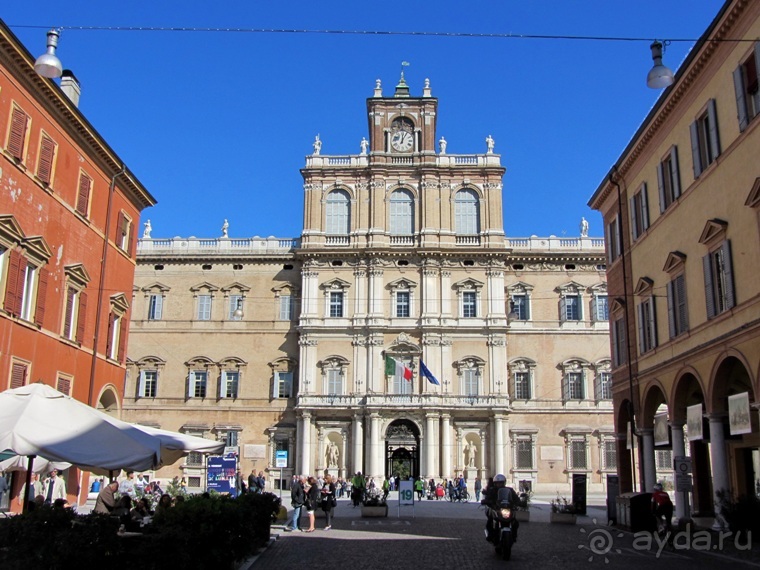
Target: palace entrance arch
x,y
402,443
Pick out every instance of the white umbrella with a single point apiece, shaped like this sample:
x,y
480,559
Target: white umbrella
x,y
40,465
175,446
39,420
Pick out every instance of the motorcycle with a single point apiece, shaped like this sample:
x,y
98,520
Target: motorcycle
x,y
502,523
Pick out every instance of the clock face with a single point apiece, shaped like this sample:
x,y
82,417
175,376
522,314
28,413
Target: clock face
x,y
402,141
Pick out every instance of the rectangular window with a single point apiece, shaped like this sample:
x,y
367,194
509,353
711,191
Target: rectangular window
x,y
747,92
614,245
640,212
520,307
286,307
402,304
470,378
669,179
663,459
198,384
194,482
195,459
63,385
148,384
601,308
336,304
334,382
678,313
204,307
28,293
575,386
619,350
647,325
231,438
46,159
578,458
522,386
230,381
609,455
705,143
17,133
571,308
124,233
719,280
155,307
236,302
70,315
114,336
469,304
524,453
19,372
283,384
604,386
83,195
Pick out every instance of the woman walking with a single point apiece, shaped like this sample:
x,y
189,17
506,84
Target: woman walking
x,y
328,500
312,496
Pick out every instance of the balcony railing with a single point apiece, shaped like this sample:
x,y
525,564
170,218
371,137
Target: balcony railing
x,y
193,245
337,240
554,243
401,401
468,240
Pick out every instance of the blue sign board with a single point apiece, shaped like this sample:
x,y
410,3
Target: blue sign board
x,y
220,474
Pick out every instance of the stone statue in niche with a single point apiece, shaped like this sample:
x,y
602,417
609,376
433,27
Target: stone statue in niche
x,y
470,452
332,454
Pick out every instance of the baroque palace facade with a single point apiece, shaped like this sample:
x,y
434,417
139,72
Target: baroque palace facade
x,y
280,345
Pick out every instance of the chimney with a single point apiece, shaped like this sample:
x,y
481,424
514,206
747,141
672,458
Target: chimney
x,y
70,86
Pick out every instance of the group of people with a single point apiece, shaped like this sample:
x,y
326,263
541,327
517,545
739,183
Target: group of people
x,y
50,491
310,493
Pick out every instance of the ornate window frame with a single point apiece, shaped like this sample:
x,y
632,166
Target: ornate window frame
x,y
401,286
470,365
232,293
575,365
334,363
283,365
335,285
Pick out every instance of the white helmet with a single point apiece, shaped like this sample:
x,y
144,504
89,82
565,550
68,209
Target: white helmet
x,y
500,478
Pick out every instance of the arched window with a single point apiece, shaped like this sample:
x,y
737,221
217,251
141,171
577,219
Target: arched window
x,y
402,213
466,213
338,213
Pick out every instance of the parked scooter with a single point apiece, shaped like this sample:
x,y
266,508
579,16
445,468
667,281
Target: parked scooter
x,y
502,516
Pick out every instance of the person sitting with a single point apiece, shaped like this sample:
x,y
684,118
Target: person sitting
x,y
139,514
164,504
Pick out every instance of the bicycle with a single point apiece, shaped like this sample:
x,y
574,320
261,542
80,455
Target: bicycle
x,y
461,496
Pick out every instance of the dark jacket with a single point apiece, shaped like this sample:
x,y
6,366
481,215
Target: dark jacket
x,y
312,497
328,496
297,495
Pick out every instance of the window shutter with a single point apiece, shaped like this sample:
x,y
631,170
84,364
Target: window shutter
x,y
120,231
18,375
64,386
581,308
276,386
158,307
682,308
709,298
741,102
223,384
109,337
190,384
671,311
640,314
615,344
131,230
141,387
713,118
695,156
45,163
652,322
11,289
644,207
17,135
598,386
70,293
83,196
728,274
123,323
527,307
661,187
562,309
675,172
20,283
634,218
82,317
39,311
566,387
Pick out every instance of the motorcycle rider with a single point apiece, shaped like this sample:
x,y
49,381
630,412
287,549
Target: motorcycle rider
x,y
490,500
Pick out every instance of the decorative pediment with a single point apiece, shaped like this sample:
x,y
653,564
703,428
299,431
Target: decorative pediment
x,y
282,364
77,273
199,361
598,289
468,283
156,287
574,364
603,365
331,362
617,305
150,362
401,284
120,303
521,364
284,289
402,344
714,229
10,230
204,286
519,287
335,284
643,286
37,248
753,200
236,286
674,262
570,287
232,362
470,361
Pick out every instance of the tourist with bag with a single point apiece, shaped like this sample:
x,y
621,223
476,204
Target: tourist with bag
x,y
328,500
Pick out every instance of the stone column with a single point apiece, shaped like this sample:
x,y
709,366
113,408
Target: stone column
x,y
679,450
343,464
305,437
482,460
498,436
446,294
719,463
430,292
358,437
374,435
376,295
459,464
648,467
360,287
430,446
446,445
322,450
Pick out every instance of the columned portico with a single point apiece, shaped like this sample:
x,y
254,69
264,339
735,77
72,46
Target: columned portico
x,y
430,470
718,461
357,430
374,444
498,430
304,436
679,450
446,445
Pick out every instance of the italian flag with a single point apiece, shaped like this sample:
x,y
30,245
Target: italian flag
x,y
395,368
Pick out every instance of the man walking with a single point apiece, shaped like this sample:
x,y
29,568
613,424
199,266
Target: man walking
x,y
297,500
253,484
55,488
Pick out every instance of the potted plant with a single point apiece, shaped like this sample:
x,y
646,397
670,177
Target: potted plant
x,y
374,504
563,511
522,512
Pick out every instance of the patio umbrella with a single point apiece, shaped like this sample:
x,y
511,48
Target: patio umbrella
x,y
39,420
40,464
175,446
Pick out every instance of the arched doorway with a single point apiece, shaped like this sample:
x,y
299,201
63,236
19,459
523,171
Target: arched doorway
x,y
402,443
109,402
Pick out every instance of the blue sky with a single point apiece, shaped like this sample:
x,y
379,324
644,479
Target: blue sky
x,y
217,125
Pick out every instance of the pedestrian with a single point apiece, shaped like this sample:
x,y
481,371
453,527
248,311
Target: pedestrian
x,y
55,487
3,486
328,500
253,485
262,482
106,501
419,487
478,488
127,486
140,484
357,489
386,488
35,490
312,498
297,499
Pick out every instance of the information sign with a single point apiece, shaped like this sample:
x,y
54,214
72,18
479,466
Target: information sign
x,y
280,459
406,493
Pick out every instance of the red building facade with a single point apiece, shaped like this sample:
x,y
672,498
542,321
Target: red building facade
x,y
69,212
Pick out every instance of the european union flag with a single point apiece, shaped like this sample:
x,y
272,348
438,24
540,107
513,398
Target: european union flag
x,y
427,374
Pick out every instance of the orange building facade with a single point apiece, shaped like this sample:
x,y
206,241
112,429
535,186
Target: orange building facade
x,y
69,212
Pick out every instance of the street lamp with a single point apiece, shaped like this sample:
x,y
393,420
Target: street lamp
x,y
48,65
512,315
660,76
238,312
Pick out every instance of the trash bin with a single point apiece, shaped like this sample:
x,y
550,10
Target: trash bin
x,y
634,512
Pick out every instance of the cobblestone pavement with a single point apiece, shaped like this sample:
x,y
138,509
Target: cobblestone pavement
x,y
441,535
